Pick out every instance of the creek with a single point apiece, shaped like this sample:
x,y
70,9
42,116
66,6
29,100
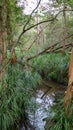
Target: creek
x,y
44,99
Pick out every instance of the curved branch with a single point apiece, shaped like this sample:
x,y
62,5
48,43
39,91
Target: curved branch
x,y
50,48
31,15
45,21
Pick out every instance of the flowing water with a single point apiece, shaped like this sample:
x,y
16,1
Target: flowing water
x,y
43,103
43,109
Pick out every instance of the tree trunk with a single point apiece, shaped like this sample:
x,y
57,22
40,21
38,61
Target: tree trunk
x,y
8,25
69,91
3,43
65,27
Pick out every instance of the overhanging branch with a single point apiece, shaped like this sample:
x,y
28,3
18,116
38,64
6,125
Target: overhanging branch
x,y
45,21
31,15
50,48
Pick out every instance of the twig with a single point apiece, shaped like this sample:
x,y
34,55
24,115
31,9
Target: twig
x,y
49,20
31,15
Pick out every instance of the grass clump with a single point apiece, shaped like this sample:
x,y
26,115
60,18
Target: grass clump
x,y
15,95
53,66
60,120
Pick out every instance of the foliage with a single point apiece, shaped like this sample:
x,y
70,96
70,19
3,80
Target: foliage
x,y
53,66
15,95
69,2
18,87
60,121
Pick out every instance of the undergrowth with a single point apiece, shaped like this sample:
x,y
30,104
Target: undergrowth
x,y
15,95
53,66
60,120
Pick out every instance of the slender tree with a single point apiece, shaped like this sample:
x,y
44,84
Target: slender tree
x,y
65,25
8,24
69,92
3,41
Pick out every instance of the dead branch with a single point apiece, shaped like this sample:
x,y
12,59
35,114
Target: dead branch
x,y
58,48
49,49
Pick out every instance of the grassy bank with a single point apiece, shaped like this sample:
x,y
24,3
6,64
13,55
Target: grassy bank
x,y
15,95
60,119
53,67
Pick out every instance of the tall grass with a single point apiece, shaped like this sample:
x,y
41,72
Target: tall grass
x,y
15,95
53,66
60,120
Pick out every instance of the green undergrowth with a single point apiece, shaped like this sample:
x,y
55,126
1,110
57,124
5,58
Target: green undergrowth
x,y
53,66
15,95
60,120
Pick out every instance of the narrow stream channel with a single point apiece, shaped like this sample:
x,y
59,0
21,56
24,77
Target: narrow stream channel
x,y
43,107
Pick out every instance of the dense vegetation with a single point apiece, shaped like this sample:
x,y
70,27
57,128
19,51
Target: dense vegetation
x,y
60,120
33,47
16,95
53,67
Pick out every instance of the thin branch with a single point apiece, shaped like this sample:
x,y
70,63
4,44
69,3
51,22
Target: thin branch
x,y
66,46
50,48
59,49
33,40
45,21
48,20
31,15
26,49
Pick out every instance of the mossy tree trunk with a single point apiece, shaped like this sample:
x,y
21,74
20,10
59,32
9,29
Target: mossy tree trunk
x,y
3,41
9,25
5,34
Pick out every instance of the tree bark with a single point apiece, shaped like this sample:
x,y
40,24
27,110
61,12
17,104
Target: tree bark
x,y
65,26
69,91
3,43
8,25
